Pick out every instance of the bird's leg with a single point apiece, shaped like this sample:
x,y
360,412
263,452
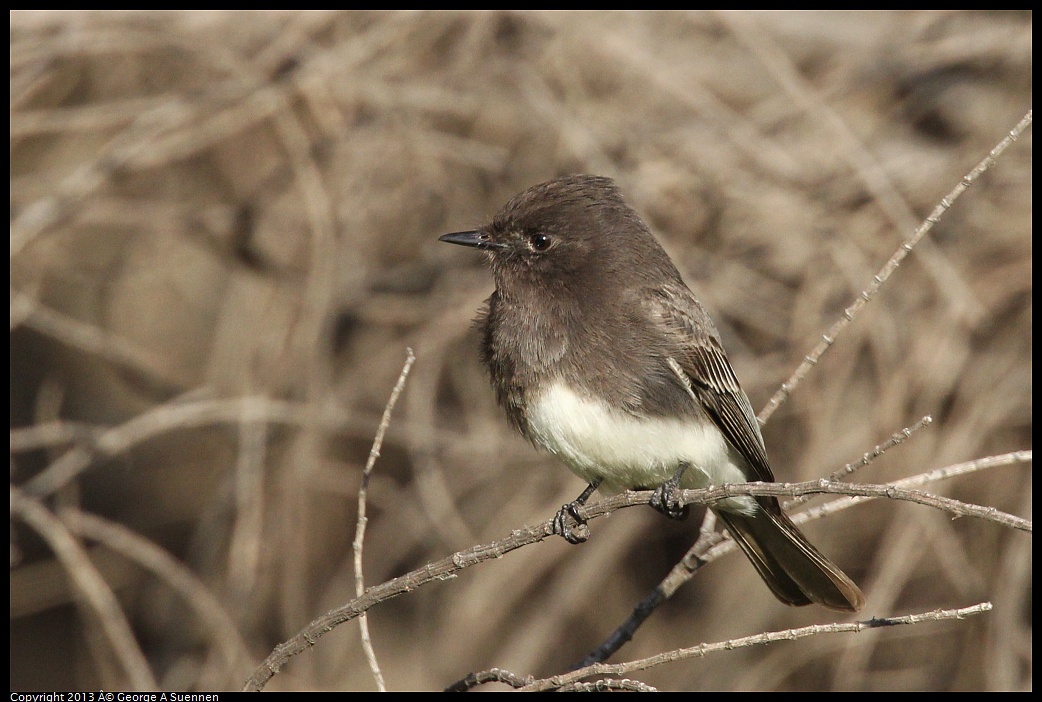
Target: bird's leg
x,y
665,498
569,522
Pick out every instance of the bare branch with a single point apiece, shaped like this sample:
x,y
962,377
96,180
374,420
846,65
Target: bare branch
x,y
702,650
363,492
448,567
880,278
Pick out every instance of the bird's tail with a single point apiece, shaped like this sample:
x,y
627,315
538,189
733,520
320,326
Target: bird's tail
x,y
795,571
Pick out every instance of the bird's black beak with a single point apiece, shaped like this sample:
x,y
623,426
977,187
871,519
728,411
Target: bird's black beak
x,y
477,239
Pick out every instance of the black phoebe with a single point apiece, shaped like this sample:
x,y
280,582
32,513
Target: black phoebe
x,y
601,354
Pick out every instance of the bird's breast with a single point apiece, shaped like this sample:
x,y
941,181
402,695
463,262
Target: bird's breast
x,y
598,441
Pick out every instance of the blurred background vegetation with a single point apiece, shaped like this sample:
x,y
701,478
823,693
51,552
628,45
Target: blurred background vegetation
x,y
211,206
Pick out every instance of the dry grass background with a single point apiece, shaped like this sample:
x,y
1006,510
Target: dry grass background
x,y
209,206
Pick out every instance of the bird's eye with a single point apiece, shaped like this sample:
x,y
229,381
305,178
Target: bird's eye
x,y
540,242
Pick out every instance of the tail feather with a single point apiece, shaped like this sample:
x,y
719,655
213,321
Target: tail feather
x,y
793,569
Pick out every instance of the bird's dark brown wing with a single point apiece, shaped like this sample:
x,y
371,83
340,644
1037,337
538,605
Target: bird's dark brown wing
x,y
796,572
701,358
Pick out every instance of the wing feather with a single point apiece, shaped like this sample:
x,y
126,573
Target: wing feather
x,y
701,358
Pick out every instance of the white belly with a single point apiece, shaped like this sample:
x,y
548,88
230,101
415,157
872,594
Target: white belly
x,y
598,442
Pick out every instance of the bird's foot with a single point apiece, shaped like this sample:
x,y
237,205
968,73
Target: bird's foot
x,y
666,498
570,521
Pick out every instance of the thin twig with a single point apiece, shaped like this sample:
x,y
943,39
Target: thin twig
x,y
702,650
608,685
363,491
964,468
944,473
887,270
491,675
890,491
851,468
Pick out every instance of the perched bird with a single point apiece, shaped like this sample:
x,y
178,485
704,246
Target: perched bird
x,y
600,353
